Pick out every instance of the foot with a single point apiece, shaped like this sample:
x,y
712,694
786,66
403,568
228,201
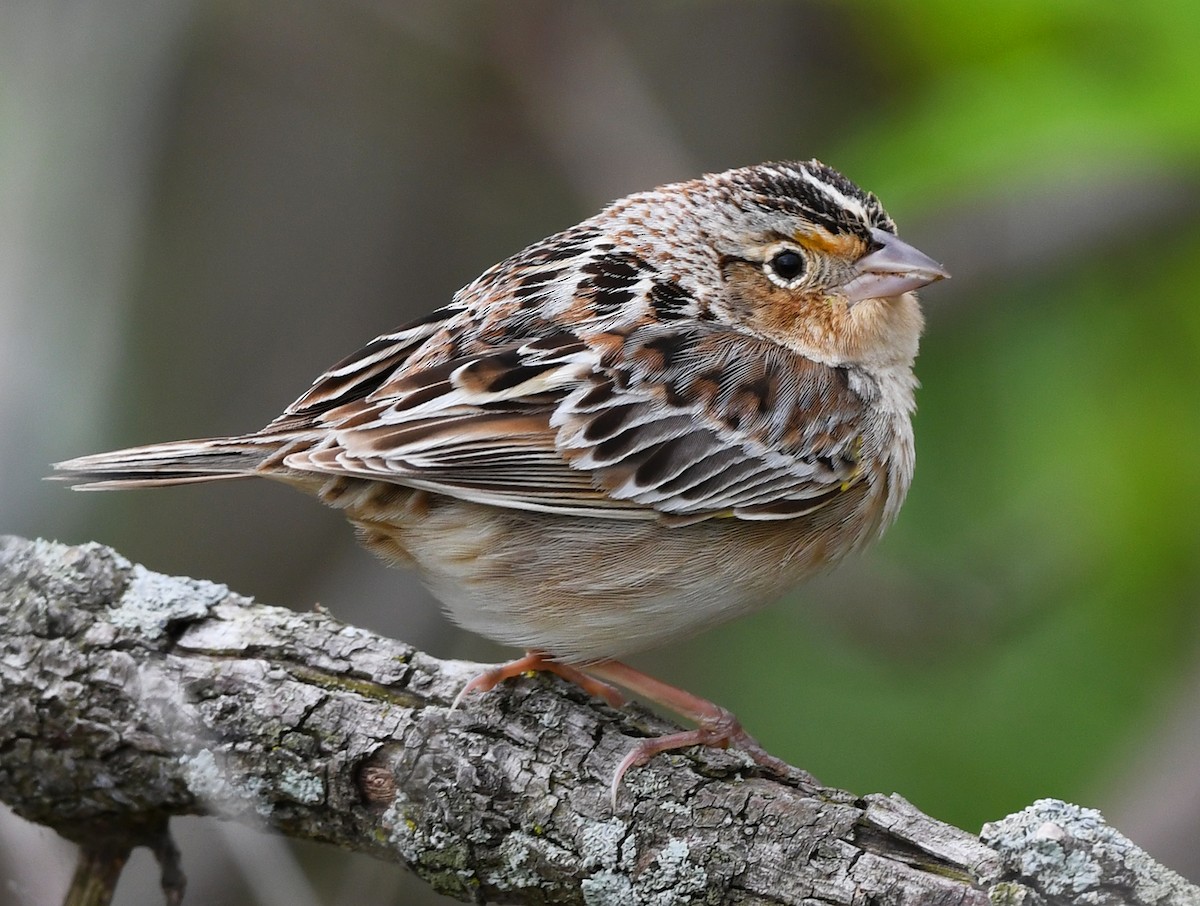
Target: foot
x,y
539,662
717,727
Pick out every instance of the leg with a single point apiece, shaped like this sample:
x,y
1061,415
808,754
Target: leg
x,y
539,662
716,726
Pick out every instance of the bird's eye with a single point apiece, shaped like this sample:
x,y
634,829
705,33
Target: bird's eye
x,y
786,266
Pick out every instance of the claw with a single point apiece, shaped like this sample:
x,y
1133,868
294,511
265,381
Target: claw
x,y
717,727
723,732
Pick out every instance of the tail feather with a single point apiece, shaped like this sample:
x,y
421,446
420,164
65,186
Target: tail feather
x,y
157,465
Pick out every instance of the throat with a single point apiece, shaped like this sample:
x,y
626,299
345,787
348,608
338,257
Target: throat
x,y
880,335
884,333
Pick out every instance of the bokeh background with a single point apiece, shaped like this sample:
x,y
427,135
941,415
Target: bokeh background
x,y
203,204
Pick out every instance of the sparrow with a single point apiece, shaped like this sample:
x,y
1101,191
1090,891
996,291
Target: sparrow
x,y
636,429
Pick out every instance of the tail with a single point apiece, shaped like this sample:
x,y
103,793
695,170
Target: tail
x,y
158,465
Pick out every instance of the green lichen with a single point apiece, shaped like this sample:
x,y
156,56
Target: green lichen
x,y
152,602
1008,893
608,888
438,855
517,852
602,843
302,786
338,682
672,877
219,788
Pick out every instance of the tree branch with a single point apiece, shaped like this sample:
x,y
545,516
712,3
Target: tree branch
x,y
130,697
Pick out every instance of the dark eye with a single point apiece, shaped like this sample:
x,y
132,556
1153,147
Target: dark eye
x,y
787,265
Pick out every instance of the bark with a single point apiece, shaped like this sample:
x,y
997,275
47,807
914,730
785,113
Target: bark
x,y
129,697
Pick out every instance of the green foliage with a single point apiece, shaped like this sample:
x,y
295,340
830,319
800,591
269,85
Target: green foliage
x,y
1009,94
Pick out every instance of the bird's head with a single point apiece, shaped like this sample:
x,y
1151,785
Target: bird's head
x,y
797,253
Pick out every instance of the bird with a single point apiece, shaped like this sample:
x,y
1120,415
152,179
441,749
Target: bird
x,y
636,429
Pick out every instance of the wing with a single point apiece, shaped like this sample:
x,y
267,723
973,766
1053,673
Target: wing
x,y
653,421
701,421
475,427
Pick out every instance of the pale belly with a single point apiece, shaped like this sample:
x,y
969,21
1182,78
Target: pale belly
x,y
584,589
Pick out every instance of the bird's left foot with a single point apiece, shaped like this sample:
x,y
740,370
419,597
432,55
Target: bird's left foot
x,y
539,662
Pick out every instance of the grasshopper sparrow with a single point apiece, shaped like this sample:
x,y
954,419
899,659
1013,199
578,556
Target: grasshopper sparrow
x,y
640,427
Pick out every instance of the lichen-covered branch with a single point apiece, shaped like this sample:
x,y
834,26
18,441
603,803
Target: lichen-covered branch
x,y
129,697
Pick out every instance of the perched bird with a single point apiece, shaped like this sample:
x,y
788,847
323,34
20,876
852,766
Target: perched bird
x,y
640,427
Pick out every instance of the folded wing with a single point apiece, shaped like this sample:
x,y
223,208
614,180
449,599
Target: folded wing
x,y
649,421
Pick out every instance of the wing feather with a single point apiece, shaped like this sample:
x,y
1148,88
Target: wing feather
x,y
661,422
702,421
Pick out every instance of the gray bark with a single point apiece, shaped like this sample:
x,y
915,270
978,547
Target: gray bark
x,y
129,697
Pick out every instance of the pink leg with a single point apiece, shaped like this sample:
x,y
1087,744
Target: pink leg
x,y
716,726
539,662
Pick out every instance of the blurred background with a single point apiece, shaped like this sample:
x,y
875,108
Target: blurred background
x,y
204,204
